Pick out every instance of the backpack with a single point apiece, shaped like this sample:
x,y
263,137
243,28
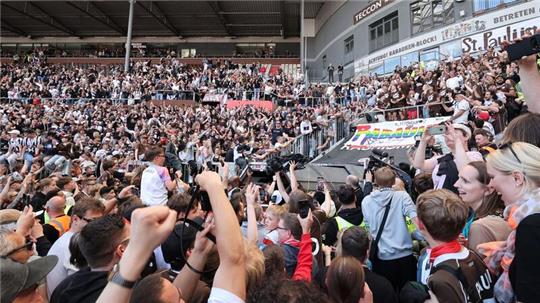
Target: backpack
x,y
476,292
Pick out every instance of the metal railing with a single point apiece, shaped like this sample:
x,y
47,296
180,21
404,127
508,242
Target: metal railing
x,y
405,113
310,144
164,95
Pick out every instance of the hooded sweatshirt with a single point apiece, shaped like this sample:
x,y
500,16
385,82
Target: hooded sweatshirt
x,y
395,239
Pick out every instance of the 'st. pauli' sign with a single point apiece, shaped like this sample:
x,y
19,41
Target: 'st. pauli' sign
x,y
390,135
370,9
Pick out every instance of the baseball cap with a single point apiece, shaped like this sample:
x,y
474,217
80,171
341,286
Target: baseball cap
x,y
8,218
483,115
171,249
14,132
17,277
464,128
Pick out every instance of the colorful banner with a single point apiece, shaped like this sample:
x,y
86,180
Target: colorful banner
x,y
266,105
390,135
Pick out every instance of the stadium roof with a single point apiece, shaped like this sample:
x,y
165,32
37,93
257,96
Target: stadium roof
x,y
41,18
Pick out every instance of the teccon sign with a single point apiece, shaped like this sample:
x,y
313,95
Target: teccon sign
x,y
370,9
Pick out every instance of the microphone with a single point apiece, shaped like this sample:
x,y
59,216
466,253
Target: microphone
x,y
379,152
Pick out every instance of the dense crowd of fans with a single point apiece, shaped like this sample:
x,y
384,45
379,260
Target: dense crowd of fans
x,y
111,202
138,50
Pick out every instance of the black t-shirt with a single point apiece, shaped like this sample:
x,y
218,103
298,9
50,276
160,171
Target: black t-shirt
x,y
84,286
525,268
276,132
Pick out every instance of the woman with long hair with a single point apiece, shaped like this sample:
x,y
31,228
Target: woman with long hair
x,y
515,173
485,222
345,280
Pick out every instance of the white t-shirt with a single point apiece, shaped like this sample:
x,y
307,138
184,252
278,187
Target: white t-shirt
x,y
63,268
153,190
438,181
453,83
220,295
462,105
305,127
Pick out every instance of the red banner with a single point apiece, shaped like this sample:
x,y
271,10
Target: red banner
x,y
266,105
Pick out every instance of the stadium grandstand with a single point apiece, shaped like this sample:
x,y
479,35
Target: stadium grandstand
x,y
270,151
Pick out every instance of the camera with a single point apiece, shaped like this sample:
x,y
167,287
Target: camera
x,y
203,197
526,47
376,161
277,164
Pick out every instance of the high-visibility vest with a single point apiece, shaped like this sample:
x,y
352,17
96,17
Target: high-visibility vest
x,y
344,224
46,217
61,224
410,225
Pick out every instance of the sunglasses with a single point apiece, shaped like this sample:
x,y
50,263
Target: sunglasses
x,y
29,246
509,146
89,220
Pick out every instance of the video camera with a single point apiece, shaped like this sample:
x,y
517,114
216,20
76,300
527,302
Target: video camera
x,y
277,164
377,160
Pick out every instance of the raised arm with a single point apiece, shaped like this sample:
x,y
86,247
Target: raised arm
x,y
230,244
460,154
292,175
281,188
252,192
530,77
420,161
187,279
150,226
305,259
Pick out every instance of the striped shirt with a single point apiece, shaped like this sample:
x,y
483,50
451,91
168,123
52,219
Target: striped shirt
x,y
31,144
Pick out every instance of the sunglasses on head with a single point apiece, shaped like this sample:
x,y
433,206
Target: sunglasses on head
x,y
509,146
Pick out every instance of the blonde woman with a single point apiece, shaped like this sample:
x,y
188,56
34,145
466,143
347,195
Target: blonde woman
x,y
515,173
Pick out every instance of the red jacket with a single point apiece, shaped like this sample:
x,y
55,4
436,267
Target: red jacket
x,y
305,260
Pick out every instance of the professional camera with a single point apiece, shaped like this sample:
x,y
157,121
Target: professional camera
x,y
377,160
277,164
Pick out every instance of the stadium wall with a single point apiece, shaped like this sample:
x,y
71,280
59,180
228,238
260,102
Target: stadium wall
x,y
329,44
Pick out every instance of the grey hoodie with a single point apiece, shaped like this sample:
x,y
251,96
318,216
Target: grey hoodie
x,y
395,240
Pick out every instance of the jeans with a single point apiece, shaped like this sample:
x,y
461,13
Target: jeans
x,y
54,162
28,159
256,93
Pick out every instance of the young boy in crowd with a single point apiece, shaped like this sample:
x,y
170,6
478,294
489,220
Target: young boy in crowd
x,y
452,272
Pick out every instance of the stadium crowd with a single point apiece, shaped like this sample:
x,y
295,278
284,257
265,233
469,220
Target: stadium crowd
x,y
97,204
118,51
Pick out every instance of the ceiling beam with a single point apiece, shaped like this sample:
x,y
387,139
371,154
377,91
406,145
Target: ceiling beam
x,y
67,31
254,25
109,19
13,29
159,19
53,19
87,13
249,13
218,11
167,20
283,19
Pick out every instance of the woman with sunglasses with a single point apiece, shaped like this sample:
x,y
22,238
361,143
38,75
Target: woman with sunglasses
x,y
15,246
485,222
515,173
